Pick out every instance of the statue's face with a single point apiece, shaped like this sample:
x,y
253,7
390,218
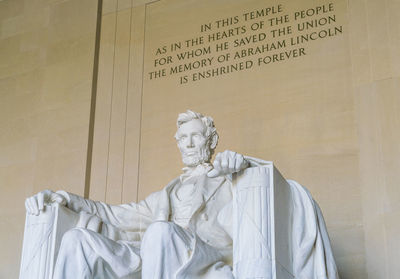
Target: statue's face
x,y
193,143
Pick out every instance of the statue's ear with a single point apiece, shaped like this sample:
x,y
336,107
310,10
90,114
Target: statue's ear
x,y
214,141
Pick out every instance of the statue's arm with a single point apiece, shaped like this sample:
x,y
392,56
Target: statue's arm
x,y
128,216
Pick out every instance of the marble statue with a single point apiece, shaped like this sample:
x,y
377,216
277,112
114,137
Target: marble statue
x,y
234,218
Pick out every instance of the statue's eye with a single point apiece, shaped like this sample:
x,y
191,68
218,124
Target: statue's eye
x,y
198,137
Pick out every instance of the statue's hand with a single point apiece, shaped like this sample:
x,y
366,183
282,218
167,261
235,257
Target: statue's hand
x,y
228,162
36,203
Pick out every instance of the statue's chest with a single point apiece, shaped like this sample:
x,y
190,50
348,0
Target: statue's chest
x,y
182,201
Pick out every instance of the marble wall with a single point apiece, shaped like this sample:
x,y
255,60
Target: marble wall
x,y
328,119
46,67
374,40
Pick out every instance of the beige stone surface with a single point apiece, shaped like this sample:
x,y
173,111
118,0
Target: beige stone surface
x,y
118,107
134,109
378,106
103,109
328,119
117,130
315,113
46,66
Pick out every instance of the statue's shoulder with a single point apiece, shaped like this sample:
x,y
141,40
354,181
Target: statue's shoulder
x,y
166,190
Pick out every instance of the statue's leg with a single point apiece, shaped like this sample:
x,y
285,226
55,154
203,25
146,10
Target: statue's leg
x,y
165,248
85,254
206,262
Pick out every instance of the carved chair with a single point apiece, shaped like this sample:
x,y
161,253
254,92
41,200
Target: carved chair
x,y
261,235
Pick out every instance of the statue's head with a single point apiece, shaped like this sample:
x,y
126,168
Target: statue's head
x,y
196,138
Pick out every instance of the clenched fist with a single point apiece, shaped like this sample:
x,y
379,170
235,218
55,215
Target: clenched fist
x,y
228,162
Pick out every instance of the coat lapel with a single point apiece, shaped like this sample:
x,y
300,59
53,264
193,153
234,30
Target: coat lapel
x,y
208,186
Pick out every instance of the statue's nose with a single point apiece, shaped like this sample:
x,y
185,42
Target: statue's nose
x,y
189,143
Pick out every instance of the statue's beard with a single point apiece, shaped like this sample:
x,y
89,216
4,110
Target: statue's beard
x,y
193,160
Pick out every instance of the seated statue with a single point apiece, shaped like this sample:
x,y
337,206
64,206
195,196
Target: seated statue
x,y
186,229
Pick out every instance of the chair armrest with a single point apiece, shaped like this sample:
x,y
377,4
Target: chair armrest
x,y
42,239
262,212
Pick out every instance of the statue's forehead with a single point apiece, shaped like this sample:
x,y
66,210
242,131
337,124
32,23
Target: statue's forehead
x,y
195,125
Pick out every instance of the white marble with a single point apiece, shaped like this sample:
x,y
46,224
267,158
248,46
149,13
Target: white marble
x,y
42,238
234,218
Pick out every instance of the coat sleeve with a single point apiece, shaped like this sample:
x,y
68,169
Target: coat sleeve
x,y
118,222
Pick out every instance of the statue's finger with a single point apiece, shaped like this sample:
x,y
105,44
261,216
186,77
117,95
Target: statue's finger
x,y
213,173
35,205
224,166
32,205
40,200
217,164
28,206
238,163
224,160
231,164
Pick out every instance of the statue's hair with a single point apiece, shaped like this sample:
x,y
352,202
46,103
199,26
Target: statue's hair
x,y
211,132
